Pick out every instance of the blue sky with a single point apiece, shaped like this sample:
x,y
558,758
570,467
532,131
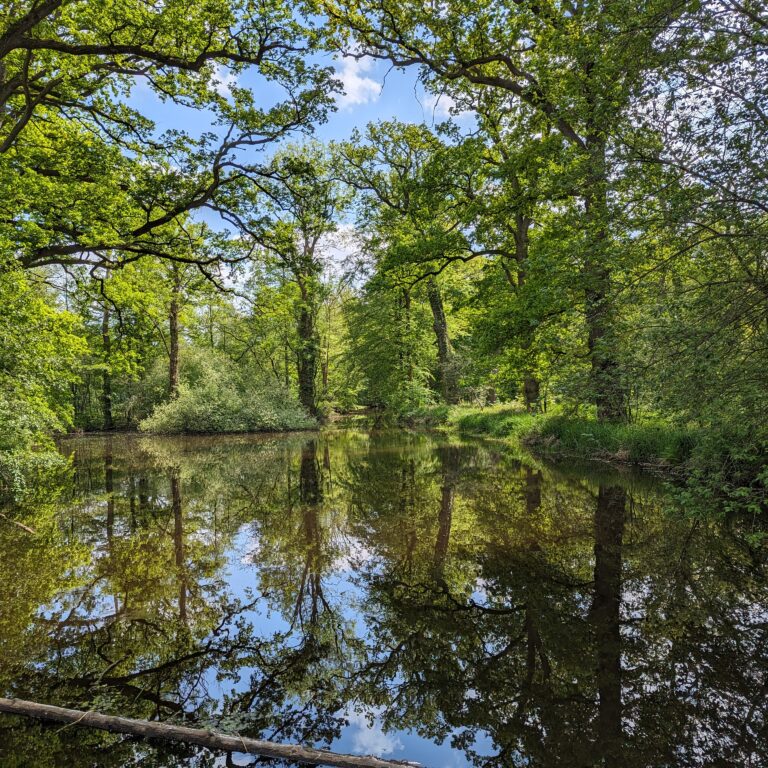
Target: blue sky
x,y
342,589
372,91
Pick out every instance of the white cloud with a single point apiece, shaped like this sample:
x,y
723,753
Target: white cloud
x,y
223,80
354,555
357,88
370,739
340,247
441,106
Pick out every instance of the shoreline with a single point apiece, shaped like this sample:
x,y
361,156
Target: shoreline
x,y
670,451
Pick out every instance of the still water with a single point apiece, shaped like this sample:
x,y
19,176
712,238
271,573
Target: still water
x,y
399,594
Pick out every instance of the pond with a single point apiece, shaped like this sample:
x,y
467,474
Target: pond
x,y
401,594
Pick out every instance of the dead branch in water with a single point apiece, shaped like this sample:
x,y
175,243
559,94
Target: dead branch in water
x,y
17,523
203,738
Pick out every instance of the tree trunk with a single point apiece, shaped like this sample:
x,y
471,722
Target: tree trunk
x,y
408,346
106,377
531,388
531,393
447,373
326,366
608,390
173,342
286,365
308,355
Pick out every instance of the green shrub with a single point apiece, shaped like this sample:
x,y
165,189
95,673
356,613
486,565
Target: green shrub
x,y
425,416
729,469
214,396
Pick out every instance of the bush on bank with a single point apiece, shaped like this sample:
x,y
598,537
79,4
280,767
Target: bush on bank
x,y
215,396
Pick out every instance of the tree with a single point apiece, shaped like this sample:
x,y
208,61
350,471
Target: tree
x,y
701,145
88,180
39,350
409,180
390,349
572,69
289,216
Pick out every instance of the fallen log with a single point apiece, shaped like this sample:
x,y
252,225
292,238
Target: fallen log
x,y
204,738
17,523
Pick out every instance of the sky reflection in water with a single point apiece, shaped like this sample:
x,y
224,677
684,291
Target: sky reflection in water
x,y
389,593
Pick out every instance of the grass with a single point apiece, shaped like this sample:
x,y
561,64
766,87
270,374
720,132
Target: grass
x,y
426,416
728,466
495,421
717,468
648,444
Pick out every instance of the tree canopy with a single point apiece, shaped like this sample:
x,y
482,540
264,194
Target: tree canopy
x,y
591,243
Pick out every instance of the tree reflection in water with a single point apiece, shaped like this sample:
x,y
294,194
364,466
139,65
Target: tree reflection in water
x,y
273,587
606,618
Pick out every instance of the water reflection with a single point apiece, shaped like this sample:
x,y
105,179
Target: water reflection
x,y
399,593
606,618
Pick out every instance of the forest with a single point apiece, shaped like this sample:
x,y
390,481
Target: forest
x,y
383,383
576,254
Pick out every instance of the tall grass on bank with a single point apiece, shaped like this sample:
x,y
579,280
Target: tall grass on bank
x,y
644,443
726,466
500,422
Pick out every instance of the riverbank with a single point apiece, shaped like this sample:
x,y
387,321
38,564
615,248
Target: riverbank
x,y
725,464
558,436
650,445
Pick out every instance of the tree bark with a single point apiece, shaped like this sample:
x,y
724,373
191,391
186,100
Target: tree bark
x,y
106,377
326,365
286,366
204,738
531,393
531,387
445,360
173,342
408,346
308,356
608,390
